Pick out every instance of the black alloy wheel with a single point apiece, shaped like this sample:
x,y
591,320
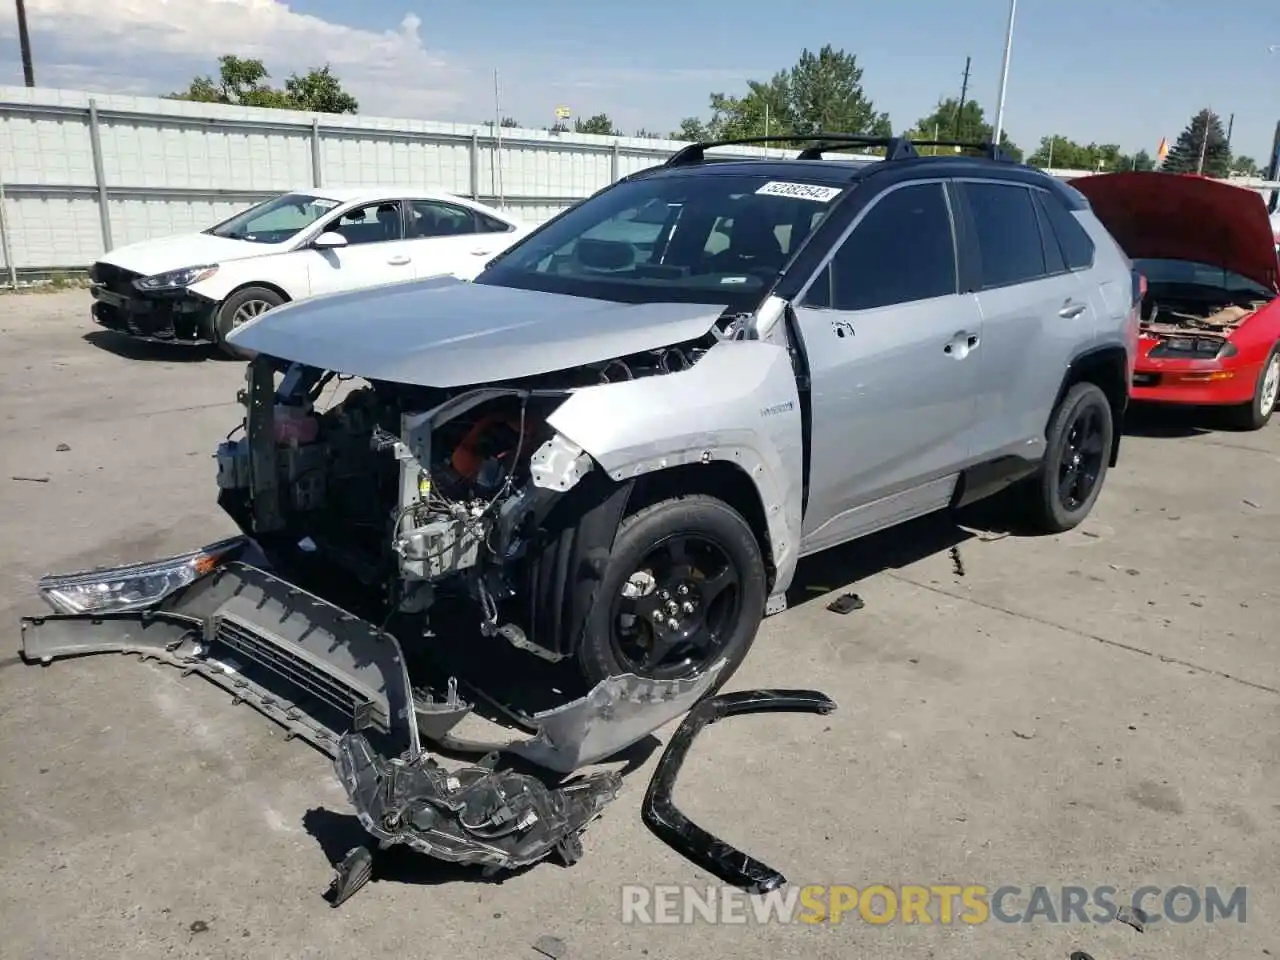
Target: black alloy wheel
x,y
1080,466
676,613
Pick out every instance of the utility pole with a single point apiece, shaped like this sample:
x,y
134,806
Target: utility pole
x,y
1004,73
24,41
964,92
1204,141
1231,122
497,141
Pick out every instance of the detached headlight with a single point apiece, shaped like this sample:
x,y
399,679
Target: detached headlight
x,y
137,586
177,279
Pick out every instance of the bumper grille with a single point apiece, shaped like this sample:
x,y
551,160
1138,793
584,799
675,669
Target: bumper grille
x,y
116,279
257,645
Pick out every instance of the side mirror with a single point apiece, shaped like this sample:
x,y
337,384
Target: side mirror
x,y
328,241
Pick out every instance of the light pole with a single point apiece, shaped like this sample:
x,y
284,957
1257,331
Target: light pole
x,y
24,42
1004,72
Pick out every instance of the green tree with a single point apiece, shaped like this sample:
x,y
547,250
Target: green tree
x,y
600,125
643,134
1143,161
318,90
509,122
949,122
1245,167
821,92
1203,136
1063,153
692,129
242,81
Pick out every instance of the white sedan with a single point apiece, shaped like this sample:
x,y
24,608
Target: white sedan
x,y
196,288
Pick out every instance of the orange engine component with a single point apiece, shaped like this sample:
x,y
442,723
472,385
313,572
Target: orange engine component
x,y
493,437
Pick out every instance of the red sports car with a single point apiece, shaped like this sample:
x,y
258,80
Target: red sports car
x,y
1210,316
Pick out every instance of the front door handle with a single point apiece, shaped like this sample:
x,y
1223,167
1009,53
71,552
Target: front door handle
x,y
960,344
1070,310
481,253
398,261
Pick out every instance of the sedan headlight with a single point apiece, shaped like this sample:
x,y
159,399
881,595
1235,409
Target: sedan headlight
x,y
177,279
137,586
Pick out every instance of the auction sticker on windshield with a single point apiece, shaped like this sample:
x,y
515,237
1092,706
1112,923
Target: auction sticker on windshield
x,y
800,191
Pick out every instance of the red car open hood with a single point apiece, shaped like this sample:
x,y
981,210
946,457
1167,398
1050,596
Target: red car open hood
x,y
1171,216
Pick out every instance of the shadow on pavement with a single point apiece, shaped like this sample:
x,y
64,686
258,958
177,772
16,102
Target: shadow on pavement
x,y
337,833
1174,422
127,348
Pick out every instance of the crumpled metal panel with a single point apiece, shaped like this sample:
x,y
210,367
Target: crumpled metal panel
x,y
617,713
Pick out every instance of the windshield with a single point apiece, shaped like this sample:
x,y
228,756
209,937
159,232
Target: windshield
x,y
1190,273
276,220
691,239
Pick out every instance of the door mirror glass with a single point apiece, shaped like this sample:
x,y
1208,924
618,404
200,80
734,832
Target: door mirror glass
x,y
327,241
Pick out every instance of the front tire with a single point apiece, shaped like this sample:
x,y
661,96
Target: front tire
x,y
238,309
1077,454
684,587
1257,412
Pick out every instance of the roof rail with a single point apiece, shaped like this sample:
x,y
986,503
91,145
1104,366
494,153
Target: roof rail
x,y
895,148
989,150
695,152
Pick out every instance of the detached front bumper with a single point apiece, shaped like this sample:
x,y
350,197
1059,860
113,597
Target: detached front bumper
x,y
310,666
317,670
170,317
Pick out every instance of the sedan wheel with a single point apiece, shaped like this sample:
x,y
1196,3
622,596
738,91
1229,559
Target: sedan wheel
x,y
1255,414
247,311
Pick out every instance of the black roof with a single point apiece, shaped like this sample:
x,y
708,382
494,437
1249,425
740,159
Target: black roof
x,y
902,162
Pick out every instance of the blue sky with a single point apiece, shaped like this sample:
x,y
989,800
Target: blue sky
x,y
1129,72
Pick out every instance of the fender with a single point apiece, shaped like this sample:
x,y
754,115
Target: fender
x,y
739,404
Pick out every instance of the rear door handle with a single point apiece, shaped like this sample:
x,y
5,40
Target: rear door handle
x,y
1071,310
398,261
481,253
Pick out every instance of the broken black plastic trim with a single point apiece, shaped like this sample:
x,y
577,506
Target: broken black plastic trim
x,y
659,811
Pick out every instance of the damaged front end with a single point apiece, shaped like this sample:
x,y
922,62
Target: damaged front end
x,y
359,522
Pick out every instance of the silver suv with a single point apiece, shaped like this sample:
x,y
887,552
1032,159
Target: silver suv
x,y
615,444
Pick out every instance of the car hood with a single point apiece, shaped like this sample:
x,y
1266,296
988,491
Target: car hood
x,y
1169,216
445,332
183,250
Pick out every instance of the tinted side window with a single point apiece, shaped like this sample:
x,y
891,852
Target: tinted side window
x,y
902,250
490,224
372,223
1054,262
1008,233
431,218
1077,248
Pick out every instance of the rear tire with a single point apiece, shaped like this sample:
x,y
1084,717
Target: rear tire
x,y
238,309
1257,412
1077,454
696,554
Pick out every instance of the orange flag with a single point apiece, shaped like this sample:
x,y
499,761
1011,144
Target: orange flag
x,y
1162,151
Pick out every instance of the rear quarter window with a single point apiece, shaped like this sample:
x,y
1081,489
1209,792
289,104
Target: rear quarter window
x,y
1077,248
1008,233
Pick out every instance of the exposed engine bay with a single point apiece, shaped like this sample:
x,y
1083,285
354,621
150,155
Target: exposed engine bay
x,y
411,491
1218,314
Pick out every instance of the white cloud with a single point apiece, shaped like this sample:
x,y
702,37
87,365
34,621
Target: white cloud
x,y
391,72
150,47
